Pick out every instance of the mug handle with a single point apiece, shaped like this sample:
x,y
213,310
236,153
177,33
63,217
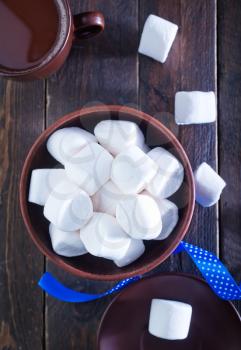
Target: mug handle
x,y
87,25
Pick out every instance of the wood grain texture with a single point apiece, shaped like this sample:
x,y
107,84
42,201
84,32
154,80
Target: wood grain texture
x,y
191,65
229,88
21,301
108,70
103,70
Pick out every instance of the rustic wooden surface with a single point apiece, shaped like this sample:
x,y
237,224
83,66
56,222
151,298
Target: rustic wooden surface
x,y
108,70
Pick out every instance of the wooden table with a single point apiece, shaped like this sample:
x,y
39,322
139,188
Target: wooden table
x,y
206,55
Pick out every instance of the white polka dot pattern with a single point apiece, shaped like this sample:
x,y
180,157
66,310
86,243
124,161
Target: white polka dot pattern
x,y
214,272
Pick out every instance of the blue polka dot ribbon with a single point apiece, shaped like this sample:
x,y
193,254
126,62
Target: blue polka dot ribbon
x,y
213,271
57,290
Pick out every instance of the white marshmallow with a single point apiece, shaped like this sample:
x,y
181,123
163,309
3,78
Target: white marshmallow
x,y
103,237
157,38
139,216
117,135
66,142
90,168
169,176
135,250
68,207
209,185
195,107
42,183
169,217
106,199
132,169
66,243
169,319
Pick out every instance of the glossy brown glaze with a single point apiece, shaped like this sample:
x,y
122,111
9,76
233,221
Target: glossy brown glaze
x,y
215,324
43,44
88,266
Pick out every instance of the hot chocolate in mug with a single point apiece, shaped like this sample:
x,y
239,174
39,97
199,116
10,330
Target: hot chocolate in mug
x,y
36,36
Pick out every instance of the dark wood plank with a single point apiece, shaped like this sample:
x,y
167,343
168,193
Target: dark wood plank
x,y
190,66
21,301
229,88
102,71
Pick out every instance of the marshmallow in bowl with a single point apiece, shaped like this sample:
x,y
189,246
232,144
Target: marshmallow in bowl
x,y
132,170
135,250
139,216
117,135
157,38
195,107
66,142
66,243
103,237
169,216
42,183
169,319
106,199
209,185
169,176
68,207
90,168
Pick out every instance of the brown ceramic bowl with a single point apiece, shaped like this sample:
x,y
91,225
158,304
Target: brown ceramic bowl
x,y
88,266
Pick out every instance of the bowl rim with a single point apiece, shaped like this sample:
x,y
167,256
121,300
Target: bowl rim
x,y
24,203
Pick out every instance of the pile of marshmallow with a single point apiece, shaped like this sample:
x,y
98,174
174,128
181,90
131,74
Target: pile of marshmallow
x,y
111,193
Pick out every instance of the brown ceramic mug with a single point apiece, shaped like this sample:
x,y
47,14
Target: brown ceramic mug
x,y
36,36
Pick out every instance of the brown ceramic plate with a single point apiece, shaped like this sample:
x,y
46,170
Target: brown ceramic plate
x,y
88,266
215,323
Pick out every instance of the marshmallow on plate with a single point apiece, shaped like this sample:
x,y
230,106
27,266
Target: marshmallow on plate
x,y
66,243
169,176
169,216
209,185
195,107
139,216
90,168
132,170
42,183
117,135
106,199
103,237
169,319
66,142
68,207
157,38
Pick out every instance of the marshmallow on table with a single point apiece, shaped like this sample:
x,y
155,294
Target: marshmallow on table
x,y
132,170
139,216
68,207
195,107
135,250
169,216
103,237
106,199
117,135
169,176
157,38
169,319
66,243
66,142
209,185
42,183
90,168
